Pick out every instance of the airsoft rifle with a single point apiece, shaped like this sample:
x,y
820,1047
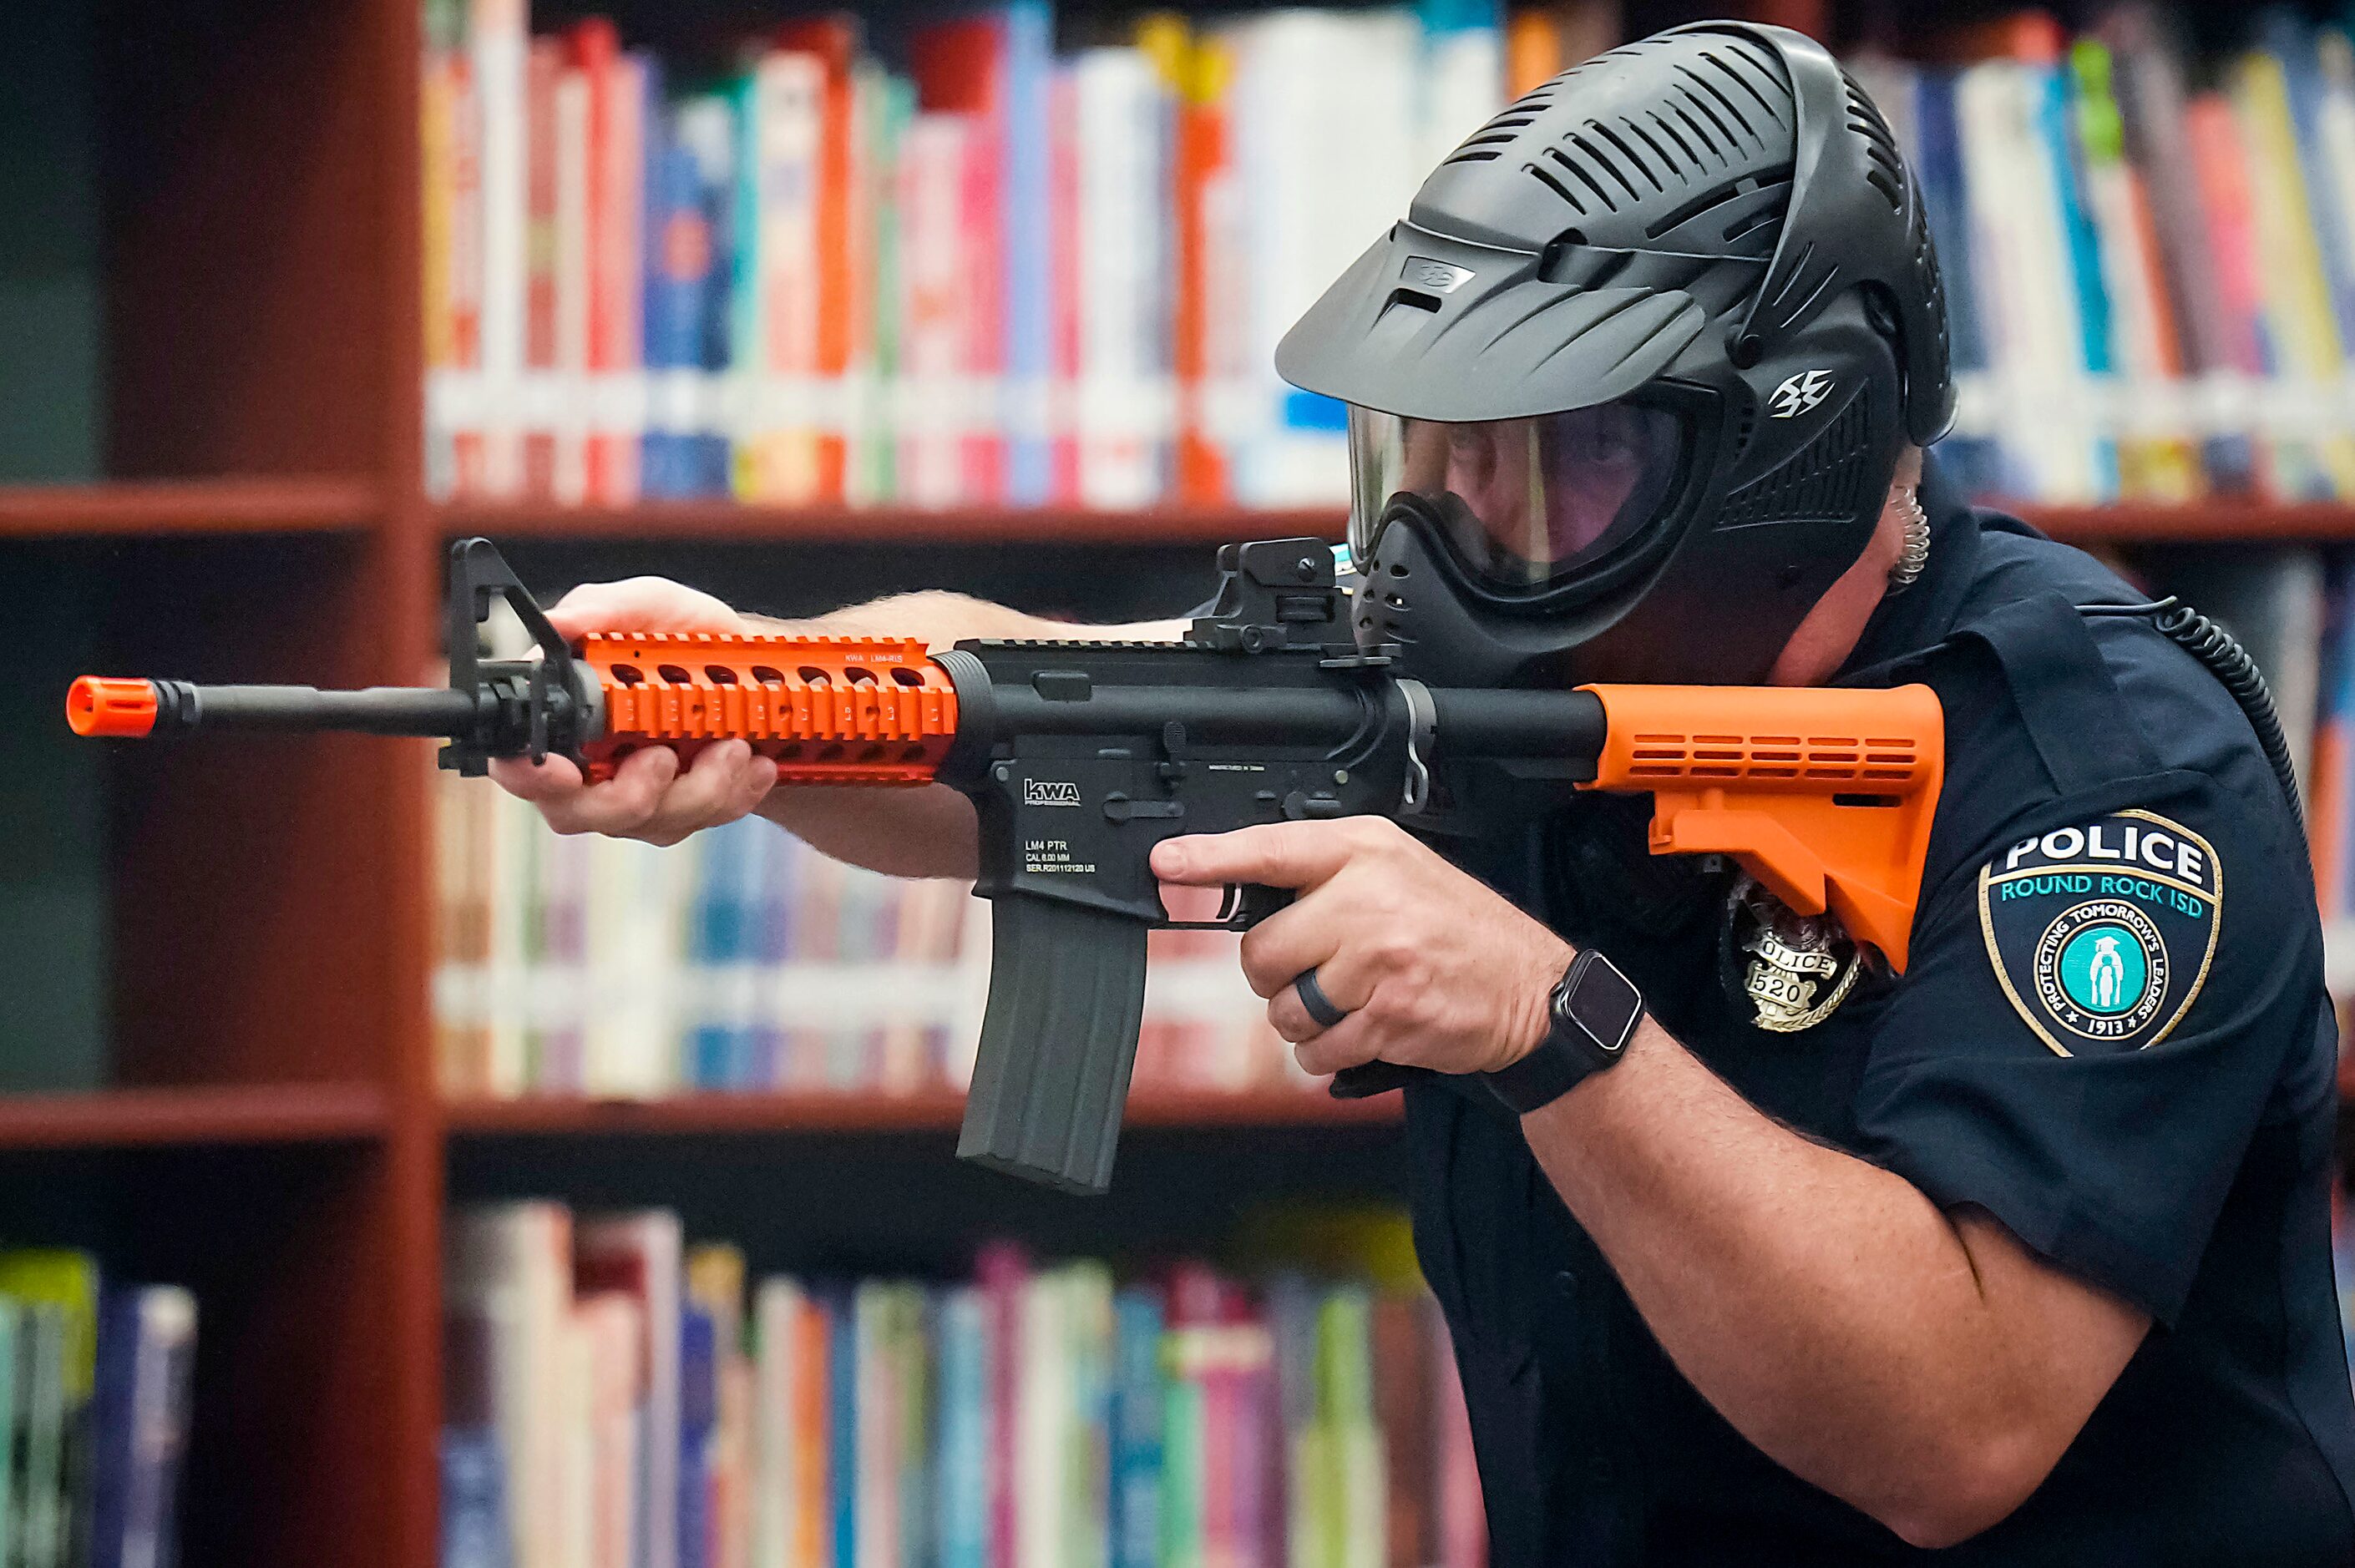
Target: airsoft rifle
x,y
1079,757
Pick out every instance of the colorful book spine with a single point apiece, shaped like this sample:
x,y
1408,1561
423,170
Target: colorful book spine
x,y
833,42
2301,332
1117,240
1136,1423
1011,277
146,1360
2057,134
539,398
640,1255
842,1419
443,106
498,48
778,333
1029,237
680,255
961,69
610,1329
960,1460
698,1428
2148,412
883,1429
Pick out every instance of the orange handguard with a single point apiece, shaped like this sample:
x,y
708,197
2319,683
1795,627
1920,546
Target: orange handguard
x,y
1825,796
830,710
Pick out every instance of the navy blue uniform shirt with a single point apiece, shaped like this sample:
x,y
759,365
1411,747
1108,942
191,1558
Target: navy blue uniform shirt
x,y
2113,1036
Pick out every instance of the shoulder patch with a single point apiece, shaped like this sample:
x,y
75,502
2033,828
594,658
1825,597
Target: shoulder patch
x,y
2102,934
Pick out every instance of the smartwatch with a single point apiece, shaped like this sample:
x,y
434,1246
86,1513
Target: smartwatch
x,y
1591,1016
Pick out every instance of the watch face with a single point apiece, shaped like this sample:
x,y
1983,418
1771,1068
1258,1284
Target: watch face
x,y
1601,1003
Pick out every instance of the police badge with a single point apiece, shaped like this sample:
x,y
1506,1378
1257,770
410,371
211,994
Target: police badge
x,y
1793,959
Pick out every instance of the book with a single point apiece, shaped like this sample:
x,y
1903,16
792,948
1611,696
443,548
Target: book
x,y
2310,461
779,303
57,1288
610,1329
961,1459
146,1361
497,44
835,344
477,1528
1008,275
444,99
2156,461
698,1428
1122,400
1400,1348
1137,1426
540,394
38,1482
639,1254
714,1280
573,392
506,1296
1183,1415
843,1422
964,71
682,272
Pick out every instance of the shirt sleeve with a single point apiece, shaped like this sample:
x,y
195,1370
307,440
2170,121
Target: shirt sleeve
x,y
2098,1008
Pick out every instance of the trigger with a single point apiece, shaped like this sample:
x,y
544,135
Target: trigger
x,y
1230,903
1257,902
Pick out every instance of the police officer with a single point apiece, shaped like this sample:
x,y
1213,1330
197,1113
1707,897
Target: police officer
x,y
1753,1251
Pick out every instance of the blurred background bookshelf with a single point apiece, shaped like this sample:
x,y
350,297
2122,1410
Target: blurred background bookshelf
x,y
218,459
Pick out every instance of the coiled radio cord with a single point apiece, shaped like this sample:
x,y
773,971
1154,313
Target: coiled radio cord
x,y
2229,662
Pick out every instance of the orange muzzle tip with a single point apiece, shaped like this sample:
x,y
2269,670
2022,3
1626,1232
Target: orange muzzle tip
x,y
106,705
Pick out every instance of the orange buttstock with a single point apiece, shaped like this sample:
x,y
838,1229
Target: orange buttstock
x,y
1824,795
830,710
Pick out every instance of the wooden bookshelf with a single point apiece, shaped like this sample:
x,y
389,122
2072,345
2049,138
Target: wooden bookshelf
x,y
264,505
2228,520
227,1115
722,521
256,509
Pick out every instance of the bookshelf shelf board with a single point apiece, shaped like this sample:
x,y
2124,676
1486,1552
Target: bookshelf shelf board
x,y
236,1114
729,521
2195,521
187,506
2121,522
819,1112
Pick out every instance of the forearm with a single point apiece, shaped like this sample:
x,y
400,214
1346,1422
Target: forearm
x,y
1826,1306
941,619
930,830
1930,1370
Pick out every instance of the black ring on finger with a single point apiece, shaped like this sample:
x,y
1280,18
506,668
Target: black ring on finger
x,y
1312,997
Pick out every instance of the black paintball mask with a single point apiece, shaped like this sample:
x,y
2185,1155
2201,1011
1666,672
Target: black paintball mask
x,y
1627,387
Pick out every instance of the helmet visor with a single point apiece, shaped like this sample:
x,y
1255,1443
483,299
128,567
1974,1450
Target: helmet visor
x,y
1523,503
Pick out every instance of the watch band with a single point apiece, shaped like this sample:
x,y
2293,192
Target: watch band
x,y
1593,1015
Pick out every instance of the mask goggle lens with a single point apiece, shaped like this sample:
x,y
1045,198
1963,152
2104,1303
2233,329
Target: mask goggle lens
x,y
1523,502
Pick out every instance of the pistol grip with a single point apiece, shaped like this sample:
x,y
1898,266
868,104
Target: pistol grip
x,y
1058,1043
1367,1079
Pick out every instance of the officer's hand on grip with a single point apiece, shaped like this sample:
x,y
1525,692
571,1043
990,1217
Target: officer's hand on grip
x,y
1431,967
648,797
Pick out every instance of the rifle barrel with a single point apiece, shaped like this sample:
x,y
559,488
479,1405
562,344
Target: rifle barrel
x,y
102,707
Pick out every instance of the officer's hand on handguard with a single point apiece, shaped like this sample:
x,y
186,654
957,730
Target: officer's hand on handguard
x,y
1430,968
648,797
